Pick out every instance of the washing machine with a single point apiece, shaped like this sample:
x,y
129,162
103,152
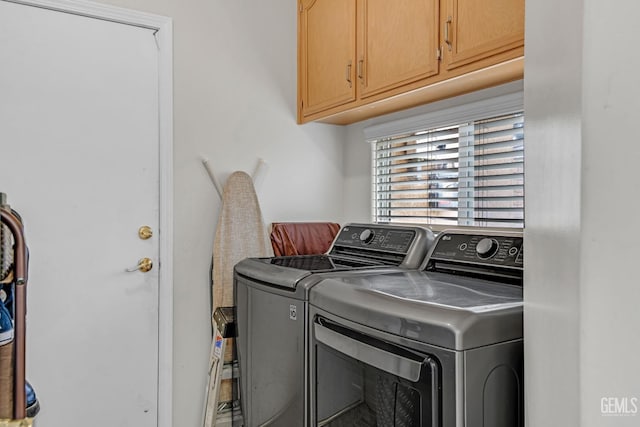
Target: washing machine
x,y
438,347
272,313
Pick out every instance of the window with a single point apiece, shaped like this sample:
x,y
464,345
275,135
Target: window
x,y
461,166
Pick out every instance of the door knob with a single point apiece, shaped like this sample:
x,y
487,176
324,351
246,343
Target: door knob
x,y
144,265
145,232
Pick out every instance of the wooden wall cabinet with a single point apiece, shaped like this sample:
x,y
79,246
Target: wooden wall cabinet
x,y
326,54
355,49
397,44
361,58
475,30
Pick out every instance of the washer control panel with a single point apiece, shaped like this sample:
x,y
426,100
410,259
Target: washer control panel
x,y
490,250
387,239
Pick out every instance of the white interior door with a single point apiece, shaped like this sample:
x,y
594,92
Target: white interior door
x,y
79,160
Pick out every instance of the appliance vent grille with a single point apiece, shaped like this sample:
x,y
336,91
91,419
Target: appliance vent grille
x,y
502,274
376,257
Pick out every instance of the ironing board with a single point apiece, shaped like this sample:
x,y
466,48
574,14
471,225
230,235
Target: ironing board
x,y
240,233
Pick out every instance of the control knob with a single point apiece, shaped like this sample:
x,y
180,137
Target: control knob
x,y
486,248
367,236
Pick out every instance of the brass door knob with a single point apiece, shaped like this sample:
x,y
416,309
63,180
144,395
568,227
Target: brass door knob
x,y
145,232
144,265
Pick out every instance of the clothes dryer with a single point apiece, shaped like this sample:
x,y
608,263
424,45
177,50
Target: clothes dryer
x,y
271,313
440,347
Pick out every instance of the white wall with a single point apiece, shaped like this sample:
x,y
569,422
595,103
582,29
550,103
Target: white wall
x,y
357,174
581,285
234,102
552,212
609,274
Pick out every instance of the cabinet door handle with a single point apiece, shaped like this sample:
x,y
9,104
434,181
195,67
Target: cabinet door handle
x,y
447,24
360,70
349,74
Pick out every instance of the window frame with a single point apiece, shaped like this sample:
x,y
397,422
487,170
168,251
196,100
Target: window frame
x,y
468,112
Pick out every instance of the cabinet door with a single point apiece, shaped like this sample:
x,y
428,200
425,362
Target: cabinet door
x,y
397,43
476,30
326,61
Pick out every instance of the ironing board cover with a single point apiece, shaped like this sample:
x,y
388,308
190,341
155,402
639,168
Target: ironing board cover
x,y
240,233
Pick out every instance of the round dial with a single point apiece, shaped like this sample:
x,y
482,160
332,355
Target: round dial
x,y
367,236
486,248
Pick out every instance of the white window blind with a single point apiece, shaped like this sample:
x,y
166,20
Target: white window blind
x,y
468,172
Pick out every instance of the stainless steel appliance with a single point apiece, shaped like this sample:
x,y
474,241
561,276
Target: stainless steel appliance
x,y
438,347
271,313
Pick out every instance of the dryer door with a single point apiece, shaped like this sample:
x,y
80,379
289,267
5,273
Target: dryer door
x,y
361,380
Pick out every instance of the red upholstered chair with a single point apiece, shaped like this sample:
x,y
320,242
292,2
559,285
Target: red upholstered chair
x,y
302,238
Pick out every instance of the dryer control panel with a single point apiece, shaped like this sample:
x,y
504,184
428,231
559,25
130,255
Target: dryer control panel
x,y
370,237
397,245
492,250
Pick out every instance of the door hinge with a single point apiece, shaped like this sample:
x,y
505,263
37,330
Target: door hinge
x,y
155,38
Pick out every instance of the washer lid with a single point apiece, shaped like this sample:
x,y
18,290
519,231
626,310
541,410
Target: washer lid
x,y
287,271
356,247
441,309
442,290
